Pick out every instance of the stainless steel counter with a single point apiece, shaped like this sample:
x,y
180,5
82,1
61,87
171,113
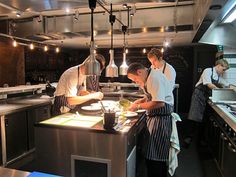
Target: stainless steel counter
x,y
7,172
65,149
15,105
224,113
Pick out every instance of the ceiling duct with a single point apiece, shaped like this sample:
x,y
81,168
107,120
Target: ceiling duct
x,y
112,69
92,66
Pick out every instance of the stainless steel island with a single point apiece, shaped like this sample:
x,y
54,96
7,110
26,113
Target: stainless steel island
x,y
71,145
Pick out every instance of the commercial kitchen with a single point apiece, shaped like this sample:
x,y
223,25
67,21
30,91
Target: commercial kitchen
x,y
40,40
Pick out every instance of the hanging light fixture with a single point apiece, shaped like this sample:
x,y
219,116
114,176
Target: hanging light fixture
x,y
124,66
92,66
112,69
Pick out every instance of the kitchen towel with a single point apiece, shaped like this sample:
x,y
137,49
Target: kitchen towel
x,y
174,147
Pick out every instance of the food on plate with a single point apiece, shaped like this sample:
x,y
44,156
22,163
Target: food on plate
x,y
127,114
125,104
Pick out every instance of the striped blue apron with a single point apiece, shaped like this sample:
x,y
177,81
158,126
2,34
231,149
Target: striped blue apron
x,y
199,99
158,131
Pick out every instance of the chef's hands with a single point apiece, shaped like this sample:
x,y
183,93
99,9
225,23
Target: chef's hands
x,y
84,92
133,107
97,95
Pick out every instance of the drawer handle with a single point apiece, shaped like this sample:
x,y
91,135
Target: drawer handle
x,y
6,122
214,124
223,136
231,148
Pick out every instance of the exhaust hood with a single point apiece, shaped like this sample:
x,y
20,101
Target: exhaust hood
x,y
220,33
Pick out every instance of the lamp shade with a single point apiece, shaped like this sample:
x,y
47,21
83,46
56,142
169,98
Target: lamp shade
x,y
123,66
111,69
92,66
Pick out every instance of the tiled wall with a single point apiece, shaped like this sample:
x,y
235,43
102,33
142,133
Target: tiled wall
x,y
230,56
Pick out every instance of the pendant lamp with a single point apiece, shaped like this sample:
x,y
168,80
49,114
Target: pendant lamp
x,y
92,66
112,69
124,66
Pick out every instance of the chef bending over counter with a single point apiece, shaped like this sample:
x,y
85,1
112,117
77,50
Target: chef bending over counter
x,y
71,88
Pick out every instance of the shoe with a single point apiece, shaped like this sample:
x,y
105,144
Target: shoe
x,y
187,142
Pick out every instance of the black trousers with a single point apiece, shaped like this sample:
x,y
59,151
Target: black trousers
x,y
195,129
156,168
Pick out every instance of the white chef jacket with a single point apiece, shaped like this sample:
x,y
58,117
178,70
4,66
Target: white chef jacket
x,y
69,81
206,77
169,73
159,87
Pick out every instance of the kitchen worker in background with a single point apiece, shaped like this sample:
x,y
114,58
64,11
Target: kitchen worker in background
x,y
71,90
155,56
211,78
159,105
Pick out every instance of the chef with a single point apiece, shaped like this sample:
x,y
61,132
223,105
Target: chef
x,y
159,105
155,56
71,90
211,78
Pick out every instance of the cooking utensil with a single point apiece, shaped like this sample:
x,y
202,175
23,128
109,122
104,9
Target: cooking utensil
x,y
103,108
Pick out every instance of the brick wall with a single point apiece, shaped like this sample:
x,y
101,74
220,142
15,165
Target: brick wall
x,y
12,64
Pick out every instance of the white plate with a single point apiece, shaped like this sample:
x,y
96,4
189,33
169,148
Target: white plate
x,y
127,114
141,111
108,102
91,108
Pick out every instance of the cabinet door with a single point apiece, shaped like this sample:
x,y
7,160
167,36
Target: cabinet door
x,y
213,137
229,160
16,134
36,115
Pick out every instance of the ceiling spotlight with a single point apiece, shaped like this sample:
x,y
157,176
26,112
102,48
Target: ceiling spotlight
x,y
14,43
144,29
125,5
126,51
45,48
95,33
18,14
162,29
166,43
67,10
31,46
76,15
57,50
144,50
162,50
40,18
133,10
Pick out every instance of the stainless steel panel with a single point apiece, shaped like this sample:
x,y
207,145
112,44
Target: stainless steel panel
x,y
223,95
5,172
55,147
36,115
3,142
16,134
131,163
93,163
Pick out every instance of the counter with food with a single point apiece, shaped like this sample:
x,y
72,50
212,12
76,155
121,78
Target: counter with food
x,y
74,143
